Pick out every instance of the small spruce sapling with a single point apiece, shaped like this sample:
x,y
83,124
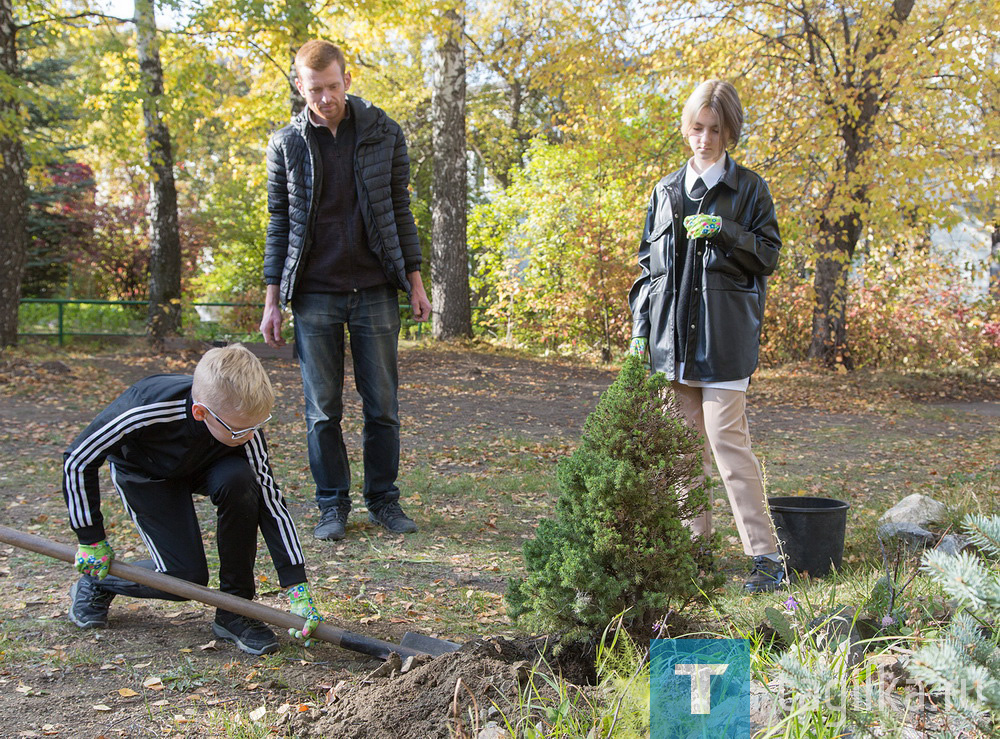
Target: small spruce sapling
x,y
617,542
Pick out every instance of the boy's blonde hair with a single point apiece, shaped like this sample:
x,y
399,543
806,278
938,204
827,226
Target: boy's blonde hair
x,y
231,378
723,100
318,55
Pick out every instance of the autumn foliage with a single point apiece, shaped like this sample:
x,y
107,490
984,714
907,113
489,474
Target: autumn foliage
x,y
873,123
910,314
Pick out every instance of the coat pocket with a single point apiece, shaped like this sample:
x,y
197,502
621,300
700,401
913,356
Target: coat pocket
x,y
723,273
658,230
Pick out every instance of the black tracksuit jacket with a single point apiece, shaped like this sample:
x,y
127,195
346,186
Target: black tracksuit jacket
x,y
148,432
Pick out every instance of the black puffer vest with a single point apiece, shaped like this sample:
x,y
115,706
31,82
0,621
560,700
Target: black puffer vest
x,y
381,175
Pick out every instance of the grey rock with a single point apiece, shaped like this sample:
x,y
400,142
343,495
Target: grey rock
x,y
889,666
952,544
834,627
916,537
493,731
759,708
917,509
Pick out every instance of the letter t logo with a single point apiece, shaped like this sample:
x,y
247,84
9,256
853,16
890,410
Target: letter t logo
x,y
701,684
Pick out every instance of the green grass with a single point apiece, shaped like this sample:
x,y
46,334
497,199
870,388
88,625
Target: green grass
x,y
237,725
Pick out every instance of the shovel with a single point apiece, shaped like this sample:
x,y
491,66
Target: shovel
x,y
412,644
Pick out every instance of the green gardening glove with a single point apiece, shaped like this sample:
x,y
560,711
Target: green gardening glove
x,y
702,226
94,559
302,605
639,347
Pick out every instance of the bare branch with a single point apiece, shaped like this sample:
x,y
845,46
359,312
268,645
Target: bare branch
x,y
77,16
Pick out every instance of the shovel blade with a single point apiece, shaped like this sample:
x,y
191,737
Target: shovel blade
x,y
428,644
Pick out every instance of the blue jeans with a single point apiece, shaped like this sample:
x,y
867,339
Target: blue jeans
x,y
372,320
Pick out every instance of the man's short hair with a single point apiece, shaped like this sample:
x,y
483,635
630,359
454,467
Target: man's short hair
x,y
319,54
231,378
722,98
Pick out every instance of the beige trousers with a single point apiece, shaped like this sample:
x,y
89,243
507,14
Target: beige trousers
x,y
720,416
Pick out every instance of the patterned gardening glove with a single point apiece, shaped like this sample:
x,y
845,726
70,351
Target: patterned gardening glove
x,y
94,559
302,605
702,226
639,347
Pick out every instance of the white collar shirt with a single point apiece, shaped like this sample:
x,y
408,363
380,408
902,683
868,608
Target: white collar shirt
x,y
710,176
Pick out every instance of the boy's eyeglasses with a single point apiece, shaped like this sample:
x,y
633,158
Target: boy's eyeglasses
x,y
235,434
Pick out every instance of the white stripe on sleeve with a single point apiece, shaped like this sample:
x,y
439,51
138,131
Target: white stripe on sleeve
x,y
93,446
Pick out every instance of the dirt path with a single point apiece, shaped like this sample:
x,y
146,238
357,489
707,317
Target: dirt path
x,y
464,414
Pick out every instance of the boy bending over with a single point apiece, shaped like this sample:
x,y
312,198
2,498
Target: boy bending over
x,y
167,438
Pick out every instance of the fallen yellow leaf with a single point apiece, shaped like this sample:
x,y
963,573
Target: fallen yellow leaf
x,y
127,692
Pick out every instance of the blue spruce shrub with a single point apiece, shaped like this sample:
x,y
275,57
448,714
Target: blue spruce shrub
x,y
964,663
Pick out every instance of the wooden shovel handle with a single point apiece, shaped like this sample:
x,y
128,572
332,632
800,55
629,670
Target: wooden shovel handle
x,y
191,591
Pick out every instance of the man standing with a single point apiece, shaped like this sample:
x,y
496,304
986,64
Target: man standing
x,y
341,241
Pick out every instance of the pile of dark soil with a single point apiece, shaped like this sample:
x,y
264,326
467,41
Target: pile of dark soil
x,y
440,697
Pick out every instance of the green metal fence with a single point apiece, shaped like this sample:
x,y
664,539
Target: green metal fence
x,y
60,318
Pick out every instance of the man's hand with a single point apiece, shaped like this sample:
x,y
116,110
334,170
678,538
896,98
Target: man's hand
x,y
419,304
702,226
94,559
270,323
302,605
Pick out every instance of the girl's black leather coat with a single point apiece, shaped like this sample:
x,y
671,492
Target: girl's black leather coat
x,y
726,302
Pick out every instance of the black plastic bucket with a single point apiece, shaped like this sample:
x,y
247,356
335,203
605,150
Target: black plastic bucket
x,y
811,532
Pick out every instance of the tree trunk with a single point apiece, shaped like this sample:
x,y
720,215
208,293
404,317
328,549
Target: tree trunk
x,y
13,184
164,236
838,237
449,251
837,241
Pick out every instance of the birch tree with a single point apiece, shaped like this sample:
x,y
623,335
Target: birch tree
x,y
450,261
164,235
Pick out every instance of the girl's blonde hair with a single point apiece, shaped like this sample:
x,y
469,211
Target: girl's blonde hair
x,y
231,378
723,100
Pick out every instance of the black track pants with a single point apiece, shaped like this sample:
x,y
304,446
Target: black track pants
x,y
163,512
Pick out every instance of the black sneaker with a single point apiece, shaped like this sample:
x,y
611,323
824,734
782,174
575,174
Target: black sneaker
x,y
766,576
249,634
331,526
391,517
89,607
